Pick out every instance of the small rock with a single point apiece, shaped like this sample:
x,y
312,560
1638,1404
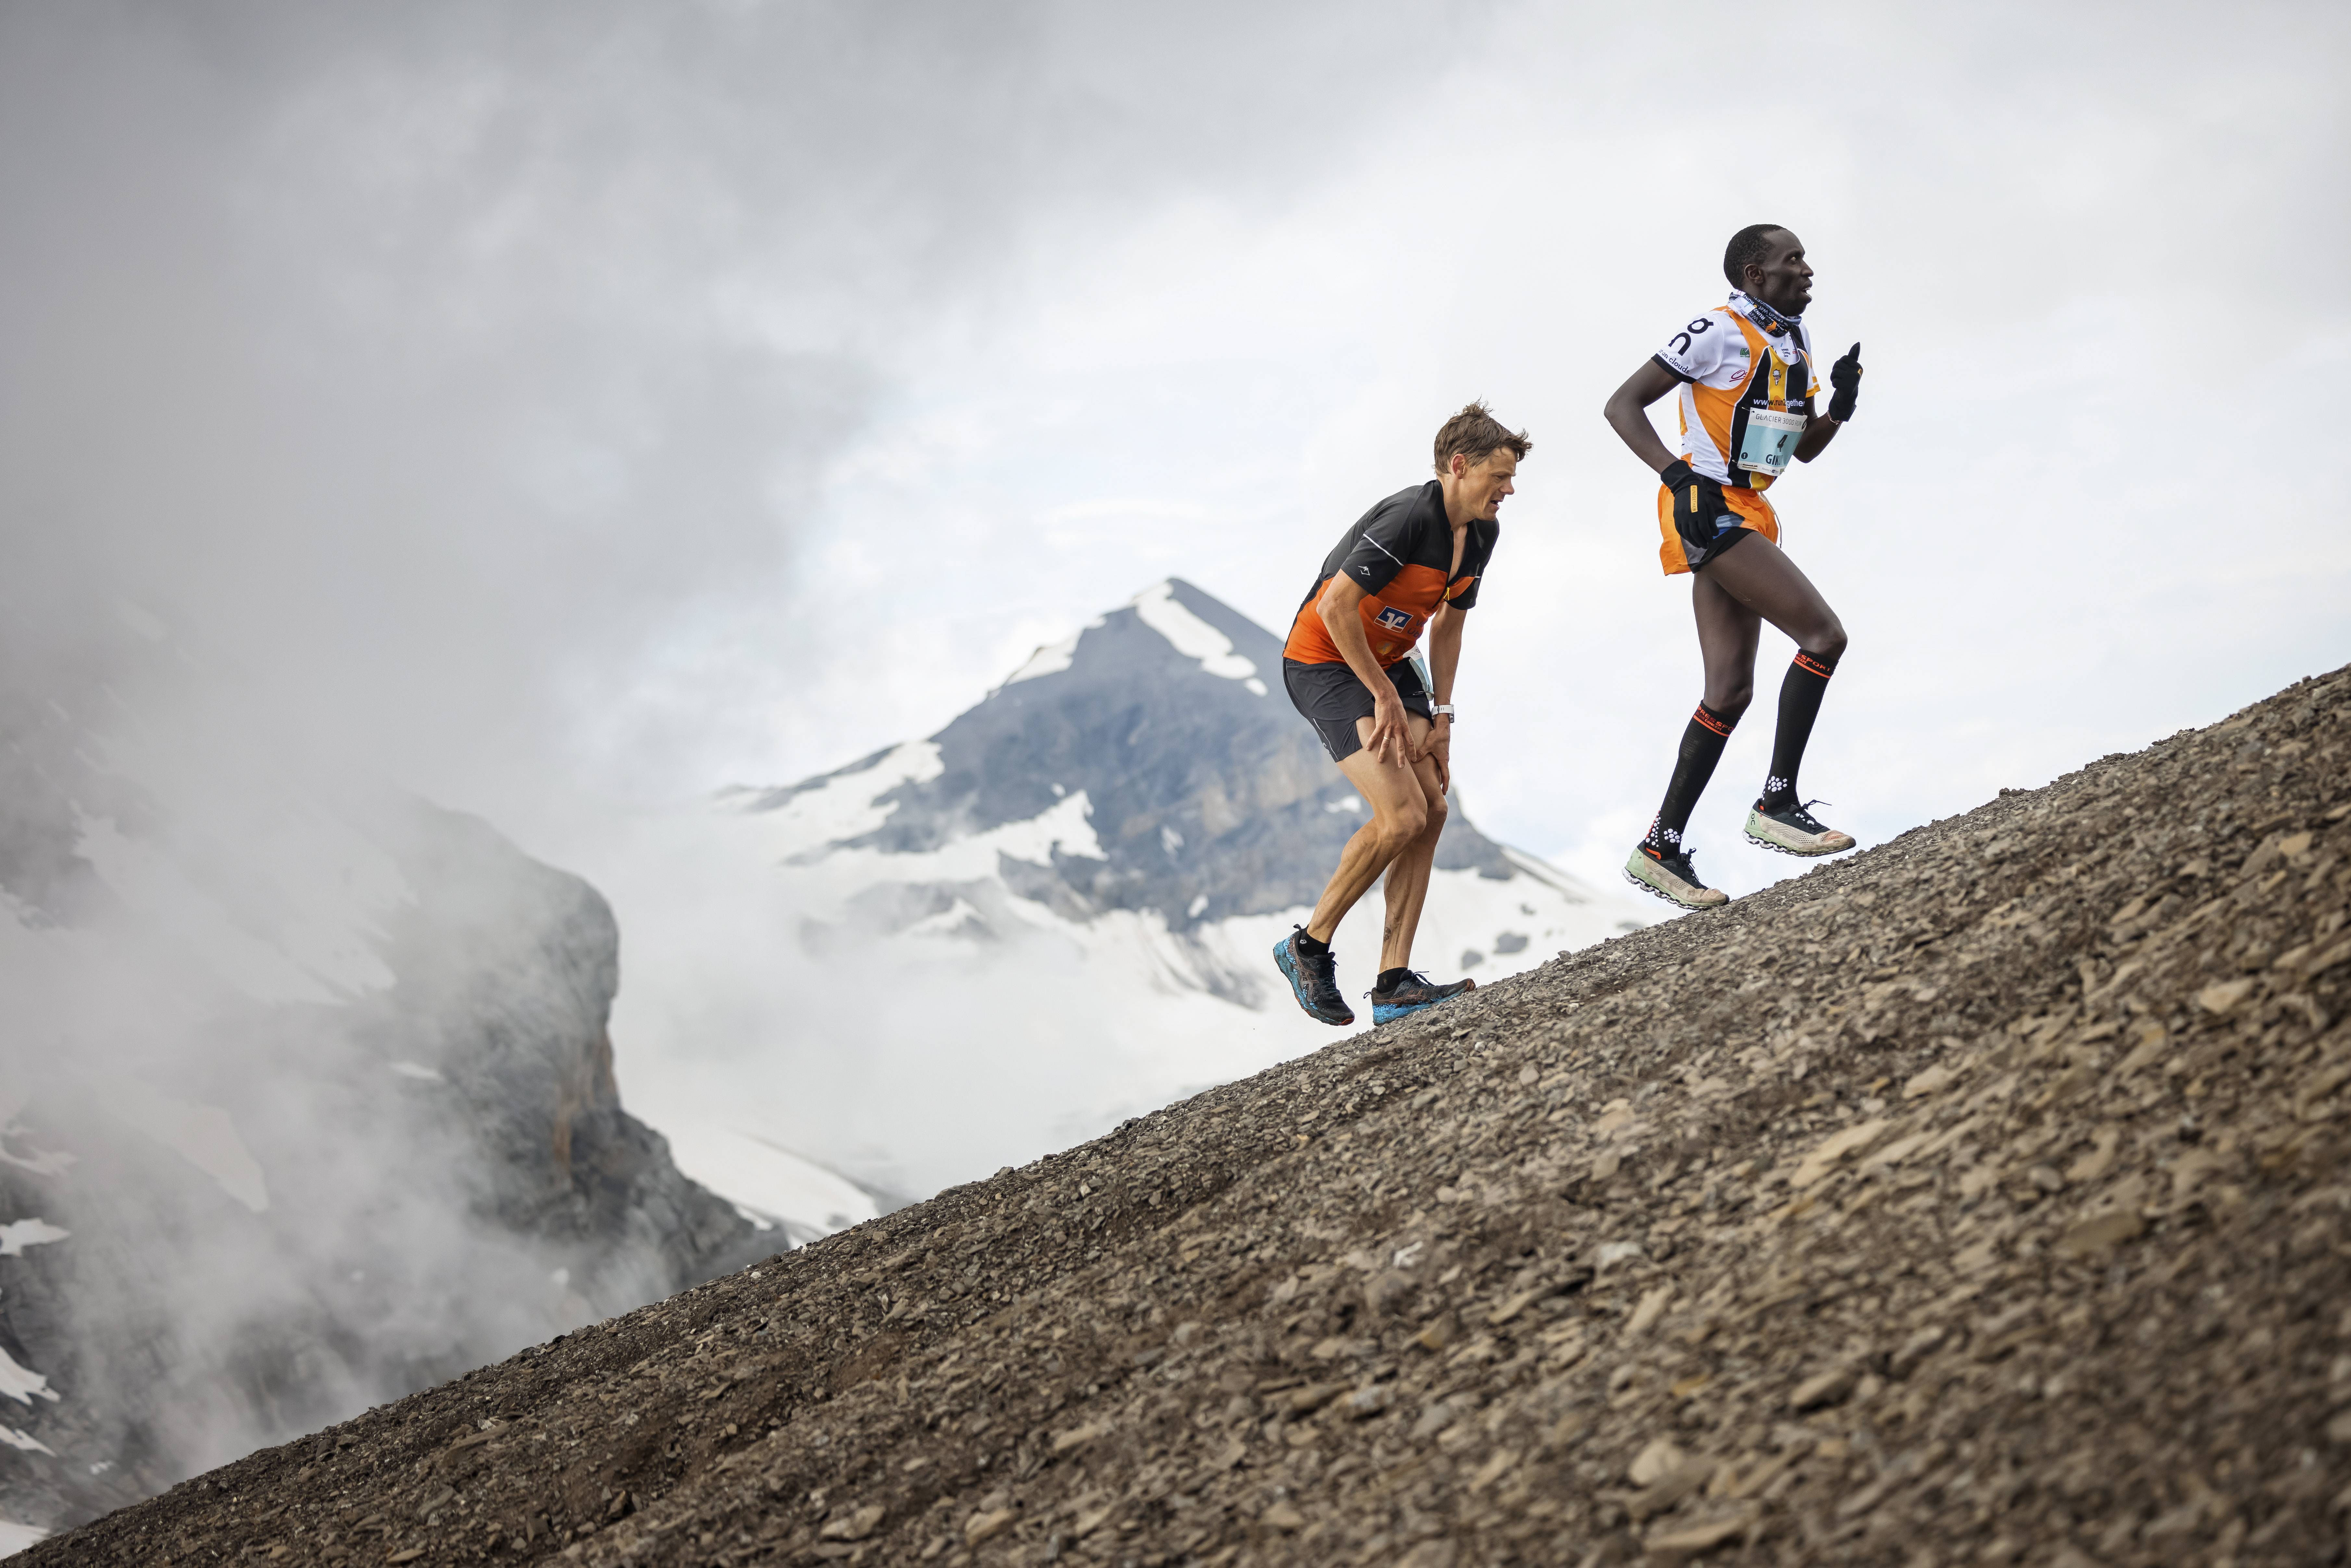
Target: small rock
x,y
1646,1315
1659,1459
1853,1140
1284,1517
1916,1349
1495,1467
2221,996
988,1526
1367,1402
1668,1490
1976,1259
1683,1542
853,1527
1511,1308
1433,1421
1313,1396
1607,1165
1075,1438
2044,1178
2087,1236
1933,1081
1387,1291
1824,1389
2096,1163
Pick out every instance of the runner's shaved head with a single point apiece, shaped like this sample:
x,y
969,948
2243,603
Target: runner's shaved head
x,y
1748,248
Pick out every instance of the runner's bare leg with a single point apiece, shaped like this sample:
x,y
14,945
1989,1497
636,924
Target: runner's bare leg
x,y
1727,635
1760,577
1408,874
1399,806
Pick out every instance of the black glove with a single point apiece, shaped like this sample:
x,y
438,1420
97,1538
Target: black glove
x,y
1845,376
1699,506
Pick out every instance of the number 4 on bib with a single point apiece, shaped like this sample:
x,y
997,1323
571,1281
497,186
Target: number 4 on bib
x,y
1770,440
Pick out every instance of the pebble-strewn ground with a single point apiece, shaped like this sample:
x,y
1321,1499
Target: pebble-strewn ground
x,y
1982,1198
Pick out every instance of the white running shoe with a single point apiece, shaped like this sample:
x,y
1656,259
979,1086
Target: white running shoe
x,y
1672,878
1793,830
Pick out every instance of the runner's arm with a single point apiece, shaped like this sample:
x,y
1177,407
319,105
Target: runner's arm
x,y
1845,377
1341,611
1444,664
1818,432
1626,416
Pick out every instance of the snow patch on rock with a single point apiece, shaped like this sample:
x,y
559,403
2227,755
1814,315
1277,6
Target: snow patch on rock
x,y
1193,637
204,1135
19,1234
22,1384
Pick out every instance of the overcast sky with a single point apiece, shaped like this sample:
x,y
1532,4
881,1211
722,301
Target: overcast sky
x,y
567,409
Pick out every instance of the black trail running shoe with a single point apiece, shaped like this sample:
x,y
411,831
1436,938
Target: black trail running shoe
x,y
1671,877
1413,993
1314,979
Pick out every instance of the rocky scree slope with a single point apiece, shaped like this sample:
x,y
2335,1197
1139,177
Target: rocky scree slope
x,y
1980,1198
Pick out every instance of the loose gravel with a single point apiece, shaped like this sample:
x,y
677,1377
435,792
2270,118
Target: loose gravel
x,y
1979,1198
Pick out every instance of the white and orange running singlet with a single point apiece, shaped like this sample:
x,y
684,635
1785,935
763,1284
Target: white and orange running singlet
x,y
1743,392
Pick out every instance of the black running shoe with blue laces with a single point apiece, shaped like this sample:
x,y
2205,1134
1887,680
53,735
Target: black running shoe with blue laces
x,y
1314,979
1411,993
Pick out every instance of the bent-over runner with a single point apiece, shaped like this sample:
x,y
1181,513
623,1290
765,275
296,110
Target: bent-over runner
x,y
1412,561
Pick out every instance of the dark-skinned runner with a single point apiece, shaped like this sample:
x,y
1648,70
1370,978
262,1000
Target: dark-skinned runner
x,y
1747,380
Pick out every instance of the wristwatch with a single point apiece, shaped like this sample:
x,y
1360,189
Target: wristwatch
x,y
1442,710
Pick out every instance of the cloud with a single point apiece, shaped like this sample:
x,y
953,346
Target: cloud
x,y
462,380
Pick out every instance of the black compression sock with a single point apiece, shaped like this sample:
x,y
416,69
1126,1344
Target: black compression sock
x,y
1390,979
1307,945
1800,704
1703,739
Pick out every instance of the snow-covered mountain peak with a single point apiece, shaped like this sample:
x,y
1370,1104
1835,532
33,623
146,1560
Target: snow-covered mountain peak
x,y
1145,770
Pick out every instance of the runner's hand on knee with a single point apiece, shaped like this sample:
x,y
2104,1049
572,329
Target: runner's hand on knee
x,y
1390,730
1438,747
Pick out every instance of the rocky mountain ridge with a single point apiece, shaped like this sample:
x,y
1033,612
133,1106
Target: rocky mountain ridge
x,y
306,1101
1975,1199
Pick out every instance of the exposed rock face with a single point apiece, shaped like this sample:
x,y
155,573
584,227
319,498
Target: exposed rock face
x,y
1210,798
1979,1198
300,1112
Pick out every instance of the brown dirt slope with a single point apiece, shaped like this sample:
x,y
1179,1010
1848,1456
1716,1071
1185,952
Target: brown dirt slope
x,y
1982,1198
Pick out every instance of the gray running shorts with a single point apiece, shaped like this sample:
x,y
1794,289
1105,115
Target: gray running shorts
x,y
1333,699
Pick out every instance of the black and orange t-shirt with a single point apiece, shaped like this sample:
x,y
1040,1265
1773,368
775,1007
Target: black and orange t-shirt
x,y
1400,553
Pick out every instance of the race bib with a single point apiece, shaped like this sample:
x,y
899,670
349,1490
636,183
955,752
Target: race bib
x,y
1770,440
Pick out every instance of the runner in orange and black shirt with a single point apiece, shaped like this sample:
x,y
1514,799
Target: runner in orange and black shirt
x,y
1414,561
1746,378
